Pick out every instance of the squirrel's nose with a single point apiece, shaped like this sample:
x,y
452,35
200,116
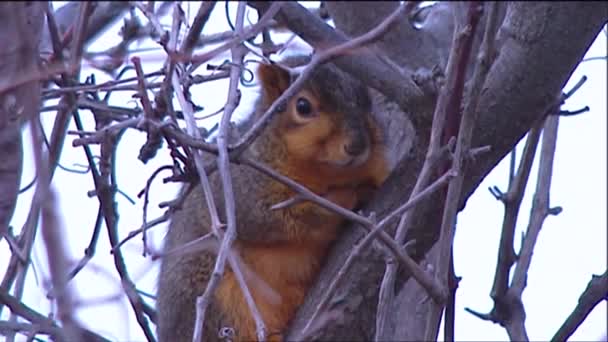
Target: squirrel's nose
x,y
356,147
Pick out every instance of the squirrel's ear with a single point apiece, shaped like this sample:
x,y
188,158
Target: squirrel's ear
x,y
273,79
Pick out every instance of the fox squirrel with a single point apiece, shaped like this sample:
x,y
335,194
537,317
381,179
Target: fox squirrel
x,y
325,139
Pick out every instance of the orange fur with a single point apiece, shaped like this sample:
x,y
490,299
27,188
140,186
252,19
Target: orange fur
x,y
287,269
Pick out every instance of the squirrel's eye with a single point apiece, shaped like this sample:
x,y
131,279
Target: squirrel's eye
x,y
304,107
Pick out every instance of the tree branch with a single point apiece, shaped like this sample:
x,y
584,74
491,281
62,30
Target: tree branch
x,y
596,291
366,64
404,44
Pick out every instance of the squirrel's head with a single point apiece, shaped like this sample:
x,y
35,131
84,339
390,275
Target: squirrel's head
x,y
328,123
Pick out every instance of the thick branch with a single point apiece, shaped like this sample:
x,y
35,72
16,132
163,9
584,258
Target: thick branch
x,y
542,45
405,45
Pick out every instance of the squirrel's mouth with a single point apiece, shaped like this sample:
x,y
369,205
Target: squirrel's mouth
x,y
350,161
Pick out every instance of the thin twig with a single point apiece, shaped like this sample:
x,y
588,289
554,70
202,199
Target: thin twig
x,y
216,38
146,201
596,291
512,202
105,86
51,236
508,308
207,242
58,266
89,252
148,225
204,12
31,225
486,57
450,307
193,131
54,32
86,9
540,210
362,245
43,322
238,53
142,91
246,34
104,184
451,96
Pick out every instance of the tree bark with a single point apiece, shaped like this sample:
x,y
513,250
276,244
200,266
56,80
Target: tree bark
x,y
20,30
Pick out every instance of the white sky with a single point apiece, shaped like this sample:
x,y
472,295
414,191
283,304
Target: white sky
x,y
571,246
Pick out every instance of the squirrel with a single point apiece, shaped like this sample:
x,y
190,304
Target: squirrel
x,y
326,139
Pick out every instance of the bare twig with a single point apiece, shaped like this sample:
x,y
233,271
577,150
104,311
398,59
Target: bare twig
x,y
54,32
207,242
540,204
503,307
148,225
58,266
422,277
252,31
204,12
173,205
238,53
143,92
7,328
37,76
146,191
596,291
515,325
192,129
42,323
450,99
104,184
365,242
52,238
485,58
86,8
105,86
98,136
57,138
449,324
512,201
288,202
89,252
508,307
272,24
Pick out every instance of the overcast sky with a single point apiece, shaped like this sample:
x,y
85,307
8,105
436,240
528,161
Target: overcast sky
x,y
571,246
